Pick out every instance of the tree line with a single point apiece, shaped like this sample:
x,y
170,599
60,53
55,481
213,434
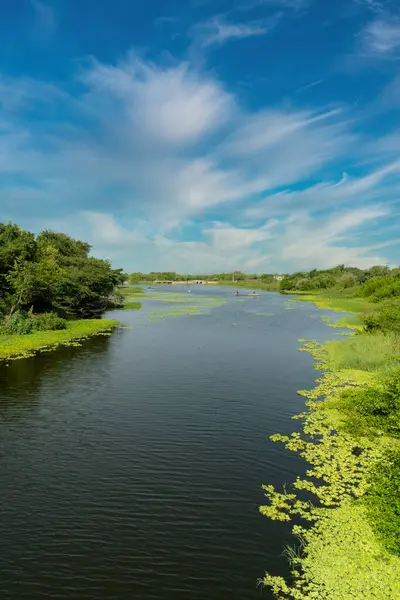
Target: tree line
x,y
138,277
380,280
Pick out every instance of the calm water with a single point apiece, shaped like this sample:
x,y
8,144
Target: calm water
x,y
131,467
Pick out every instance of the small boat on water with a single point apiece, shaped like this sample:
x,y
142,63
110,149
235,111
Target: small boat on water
x,y
254,295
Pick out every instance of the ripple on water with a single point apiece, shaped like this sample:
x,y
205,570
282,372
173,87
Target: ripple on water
x,y
131,467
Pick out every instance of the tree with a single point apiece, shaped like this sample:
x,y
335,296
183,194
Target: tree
x,y
53,272
32,282
66,246
267,278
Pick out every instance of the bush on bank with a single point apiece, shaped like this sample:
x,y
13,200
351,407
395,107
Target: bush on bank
x,y
373,410
385,318
23,323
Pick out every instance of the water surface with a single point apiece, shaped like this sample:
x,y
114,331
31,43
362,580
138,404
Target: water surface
x,y
132,467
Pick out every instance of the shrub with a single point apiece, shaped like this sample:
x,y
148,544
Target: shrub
x,y
323,282
372,285
375,408
19,323
380,288
391,290
305,285
347,281
383,503
386,318
287,284
49,322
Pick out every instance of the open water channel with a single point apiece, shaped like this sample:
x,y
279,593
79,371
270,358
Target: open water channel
x,y
131,467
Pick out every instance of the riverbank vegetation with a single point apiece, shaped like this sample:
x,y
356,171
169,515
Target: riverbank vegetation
x,y
48,285
348,535
13,346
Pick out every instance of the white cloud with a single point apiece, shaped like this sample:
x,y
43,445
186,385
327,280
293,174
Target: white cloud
x,y
172,104
289,145
381,37
22,93
223,236
301,241
264,130
327,195
224,247
172,143
321,242
150,147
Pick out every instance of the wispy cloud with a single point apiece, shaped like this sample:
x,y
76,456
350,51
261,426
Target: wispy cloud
x,y
330,195
150,147
311,85
45,17
381,37
323,242
219,31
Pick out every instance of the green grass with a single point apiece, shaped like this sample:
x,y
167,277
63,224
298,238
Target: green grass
x,y
131,305
131,291
365,352
337,301
22,346
352,322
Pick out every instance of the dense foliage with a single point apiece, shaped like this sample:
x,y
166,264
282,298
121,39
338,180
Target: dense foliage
x,y
51,273
386,317
376,283
22,323
383,503
374,409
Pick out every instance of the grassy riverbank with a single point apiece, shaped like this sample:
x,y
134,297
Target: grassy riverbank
x,y
339,301
23,346
350,548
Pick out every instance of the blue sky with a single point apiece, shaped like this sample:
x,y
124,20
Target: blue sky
x,y
205,135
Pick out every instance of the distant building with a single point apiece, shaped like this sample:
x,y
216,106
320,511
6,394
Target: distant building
x,y
278,277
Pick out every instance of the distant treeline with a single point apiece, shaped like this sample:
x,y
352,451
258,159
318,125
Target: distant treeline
x,y
382,281
223,277
52,273
377,283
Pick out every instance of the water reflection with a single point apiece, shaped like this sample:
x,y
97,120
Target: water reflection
x,y
21,380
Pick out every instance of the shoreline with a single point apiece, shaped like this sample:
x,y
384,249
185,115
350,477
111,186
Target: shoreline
x,y
14,347
338,554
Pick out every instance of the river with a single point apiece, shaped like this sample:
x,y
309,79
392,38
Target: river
x,y
131,467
